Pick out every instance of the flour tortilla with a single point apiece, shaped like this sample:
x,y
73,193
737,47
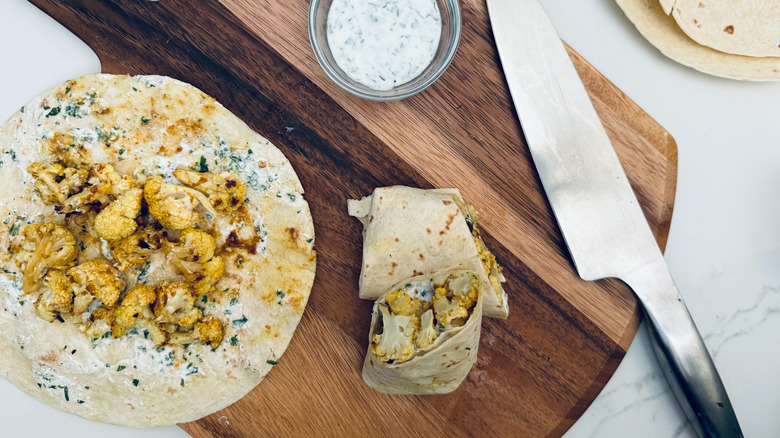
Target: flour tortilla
x,y
745,27
409,232
145,126
663,32
438,369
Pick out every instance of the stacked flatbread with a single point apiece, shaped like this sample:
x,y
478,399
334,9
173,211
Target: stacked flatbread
x,y
432,278
737,40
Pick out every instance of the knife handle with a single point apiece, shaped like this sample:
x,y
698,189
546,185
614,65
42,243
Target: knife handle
x,y
680,349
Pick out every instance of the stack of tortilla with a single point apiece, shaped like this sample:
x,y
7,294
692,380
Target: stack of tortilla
x,y
736,40
411,236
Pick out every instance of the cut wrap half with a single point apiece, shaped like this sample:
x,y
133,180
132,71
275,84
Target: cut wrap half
x,y
424,334
409,232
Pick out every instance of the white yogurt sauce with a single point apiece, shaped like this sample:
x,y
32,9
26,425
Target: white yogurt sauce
x,y
383,43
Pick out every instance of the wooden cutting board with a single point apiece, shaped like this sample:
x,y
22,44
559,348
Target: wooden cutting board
x,y
537,370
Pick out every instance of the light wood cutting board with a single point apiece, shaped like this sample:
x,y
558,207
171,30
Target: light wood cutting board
x,y
537,370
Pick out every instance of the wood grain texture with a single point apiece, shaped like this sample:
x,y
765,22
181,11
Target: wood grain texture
x,y
537,370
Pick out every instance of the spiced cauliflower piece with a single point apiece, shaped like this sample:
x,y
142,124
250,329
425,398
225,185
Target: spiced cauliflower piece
x,y
117,220
194,256
204,279
427,333
41,248
402,304
95,278
208,331
174,206
454,300
56,296
54,183
136,248
194,248
103,183
135,306
225,191
393,340
176,304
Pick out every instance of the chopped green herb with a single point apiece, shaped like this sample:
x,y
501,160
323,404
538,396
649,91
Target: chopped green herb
x,y
22,110
67,89
65,389
239,322
310,240
120,368
182,383
81,402
291,196
144,272
205,298
144,120
234,340
202,165
71,110
82,246
54,111
135,382
272,362
233,301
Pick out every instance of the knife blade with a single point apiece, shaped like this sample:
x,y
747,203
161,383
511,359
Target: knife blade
x,y
596,209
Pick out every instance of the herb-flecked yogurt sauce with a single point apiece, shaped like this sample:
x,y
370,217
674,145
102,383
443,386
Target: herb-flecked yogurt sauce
x,y
383,43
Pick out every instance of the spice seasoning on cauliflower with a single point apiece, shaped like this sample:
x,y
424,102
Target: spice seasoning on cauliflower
x,y
117,220
95,278
406,323
492,268
176,304
173,205
54,183
40,248
103,183
225,191
136,248
56,296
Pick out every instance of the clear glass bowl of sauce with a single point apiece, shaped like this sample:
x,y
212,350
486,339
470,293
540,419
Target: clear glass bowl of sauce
x,y
373,83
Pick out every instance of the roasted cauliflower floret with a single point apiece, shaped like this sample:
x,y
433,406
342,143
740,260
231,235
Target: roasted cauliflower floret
x,y
136,304
402,304
449,310
194,248
208,275
95,278
136,248
100,322
225,190
394,343
117,221
56,296
173,205
427,333
176,304
103,183
208,331
40,248
492,268
54,183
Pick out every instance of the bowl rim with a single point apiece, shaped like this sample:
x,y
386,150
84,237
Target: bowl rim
x,y
387,95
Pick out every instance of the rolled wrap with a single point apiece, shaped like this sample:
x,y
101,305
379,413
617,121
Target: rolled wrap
x,y
437,369
409,232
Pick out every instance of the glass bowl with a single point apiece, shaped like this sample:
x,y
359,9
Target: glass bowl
x,y
448,45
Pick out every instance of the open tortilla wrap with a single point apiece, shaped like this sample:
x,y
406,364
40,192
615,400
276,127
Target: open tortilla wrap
x,y
437,369
409,232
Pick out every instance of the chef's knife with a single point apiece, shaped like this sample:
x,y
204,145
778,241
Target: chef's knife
x,y
596,209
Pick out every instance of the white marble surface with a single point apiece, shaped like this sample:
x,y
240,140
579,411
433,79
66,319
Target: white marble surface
x,y
724,245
